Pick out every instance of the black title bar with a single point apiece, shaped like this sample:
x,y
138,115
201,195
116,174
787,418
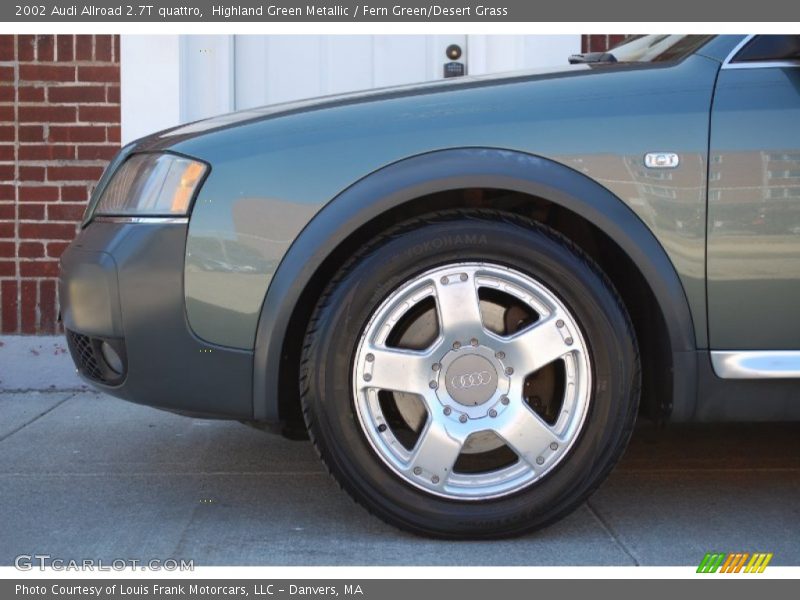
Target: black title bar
x,y
172,11
733,588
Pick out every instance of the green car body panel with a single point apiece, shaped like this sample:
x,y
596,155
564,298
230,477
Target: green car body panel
x,y
203,307
599,123
754,210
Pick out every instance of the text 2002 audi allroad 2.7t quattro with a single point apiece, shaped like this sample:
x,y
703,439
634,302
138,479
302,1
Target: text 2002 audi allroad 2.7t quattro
x,y
465,292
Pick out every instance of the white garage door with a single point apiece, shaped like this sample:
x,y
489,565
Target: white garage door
x,y
168,80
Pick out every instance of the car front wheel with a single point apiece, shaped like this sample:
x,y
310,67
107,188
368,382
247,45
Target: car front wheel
x,y
470,375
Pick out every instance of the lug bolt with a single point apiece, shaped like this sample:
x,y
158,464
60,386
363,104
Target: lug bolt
x,y
444,280
370,357
540,461
381,427
435,479
492,413
464,277
463,418
509,370
433,385
559,323
417,471
367,377
500,355
456,345
568,341
474,341
447,410
553,446
504,400
436,366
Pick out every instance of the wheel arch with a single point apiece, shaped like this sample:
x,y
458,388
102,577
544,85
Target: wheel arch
x,y
404,187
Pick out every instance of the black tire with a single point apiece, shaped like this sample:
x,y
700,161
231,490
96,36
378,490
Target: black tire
x,y
362,284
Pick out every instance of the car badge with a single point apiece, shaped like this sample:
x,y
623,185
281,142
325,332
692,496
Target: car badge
x,y
661,160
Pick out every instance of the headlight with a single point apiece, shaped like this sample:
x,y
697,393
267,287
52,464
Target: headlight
x,y
152,185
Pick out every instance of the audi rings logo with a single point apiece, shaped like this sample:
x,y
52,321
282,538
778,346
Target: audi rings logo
x,y
470,380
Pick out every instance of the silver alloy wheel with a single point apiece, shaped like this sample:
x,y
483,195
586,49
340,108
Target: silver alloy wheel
x,y
470,381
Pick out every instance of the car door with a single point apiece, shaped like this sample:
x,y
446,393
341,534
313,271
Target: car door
x,y
754,208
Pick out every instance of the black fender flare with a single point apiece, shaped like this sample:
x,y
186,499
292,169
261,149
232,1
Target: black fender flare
x,y
443,170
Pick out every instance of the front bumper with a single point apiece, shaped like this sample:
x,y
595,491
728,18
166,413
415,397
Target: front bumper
x,y
122,284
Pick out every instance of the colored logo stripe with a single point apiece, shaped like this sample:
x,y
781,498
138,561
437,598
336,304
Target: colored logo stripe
x,y
710,563
734,562
758,563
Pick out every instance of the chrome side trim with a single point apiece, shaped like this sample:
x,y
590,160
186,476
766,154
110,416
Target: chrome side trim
x,y
736,49
756,64
151,220
766,64
756,364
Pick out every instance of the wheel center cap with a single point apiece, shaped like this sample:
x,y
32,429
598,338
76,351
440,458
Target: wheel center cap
x,y
471,380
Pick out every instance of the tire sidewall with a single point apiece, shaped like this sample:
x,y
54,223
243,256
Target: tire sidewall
x,y
364,285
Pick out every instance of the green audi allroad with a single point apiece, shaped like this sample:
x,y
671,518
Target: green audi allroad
x,y
464,292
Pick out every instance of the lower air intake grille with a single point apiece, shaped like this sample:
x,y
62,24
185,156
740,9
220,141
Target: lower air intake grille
x,y
86,355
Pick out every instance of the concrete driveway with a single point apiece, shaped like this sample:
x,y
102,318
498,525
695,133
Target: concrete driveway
x,y
84,475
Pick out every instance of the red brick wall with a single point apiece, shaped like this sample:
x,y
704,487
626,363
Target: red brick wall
x,y
600,42
59,126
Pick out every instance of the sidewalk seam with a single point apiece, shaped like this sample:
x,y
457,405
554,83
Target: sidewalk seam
x,y
72,390
612,533
36,418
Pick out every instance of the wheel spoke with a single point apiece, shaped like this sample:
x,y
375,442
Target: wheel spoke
x,y
397,370
455,404
537,346
526,434
435,453
459,307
